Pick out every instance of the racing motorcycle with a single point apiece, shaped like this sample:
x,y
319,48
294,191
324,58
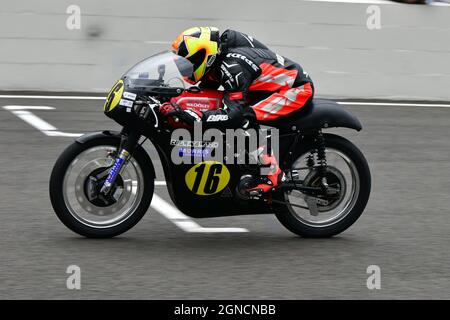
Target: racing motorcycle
x,y
103,183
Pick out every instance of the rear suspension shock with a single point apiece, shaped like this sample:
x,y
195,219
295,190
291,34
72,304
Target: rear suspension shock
x,y
321,154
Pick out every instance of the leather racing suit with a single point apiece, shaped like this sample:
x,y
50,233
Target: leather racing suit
x,y
258,84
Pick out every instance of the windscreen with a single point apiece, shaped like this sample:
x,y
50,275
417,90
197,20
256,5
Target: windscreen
x,y
163,69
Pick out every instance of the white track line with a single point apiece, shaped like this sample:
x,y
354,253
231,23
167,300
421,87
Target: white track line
x,y
184,222
36,122
441,4
355,1
350,103
13,96
395,104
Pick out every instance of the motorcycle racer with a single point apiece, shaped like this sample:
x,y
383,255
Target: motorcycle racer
x,y
260,86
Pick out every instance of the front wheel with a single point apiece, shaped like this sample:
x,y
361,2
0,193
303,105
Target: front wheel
x,y
347,178
75,181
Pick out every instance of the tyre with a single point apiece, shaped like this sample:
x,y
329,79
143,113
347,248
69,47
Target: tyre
x,y
349,177
83,167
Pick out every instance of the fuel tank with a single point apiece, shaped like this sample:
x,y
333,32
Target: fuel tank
x,y
203,100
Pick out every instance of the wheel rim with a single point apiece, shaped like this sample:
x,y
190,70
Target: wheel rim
x,y
128,195
343,168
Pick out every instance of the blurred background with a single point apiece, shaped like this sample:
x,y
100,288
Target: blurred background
x,y
349,52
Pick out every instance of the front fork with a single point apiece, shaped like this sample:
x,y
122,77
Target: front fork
x,y
127,145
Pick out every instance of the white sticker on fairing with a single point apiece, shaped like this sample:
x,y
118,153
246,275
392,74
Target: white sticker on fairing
x,y
129,95
126,103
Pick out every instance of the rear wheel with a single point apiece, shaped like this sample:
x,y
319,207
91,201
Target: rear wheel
x,y
348,179
77,177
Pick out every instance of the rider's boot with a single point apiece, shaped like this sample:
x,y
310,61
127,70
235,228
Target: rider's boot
x,y
270,181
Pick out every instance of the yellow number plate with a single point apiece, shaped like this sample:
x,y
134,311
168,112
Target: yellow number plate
x,y
207,178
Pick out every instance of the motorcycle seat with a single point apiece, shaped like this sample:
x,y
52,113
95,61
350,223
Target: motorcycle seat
x,y
320,114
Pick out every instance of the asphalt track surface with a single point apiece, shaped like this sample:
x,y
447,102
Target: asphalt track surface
x,y
404,230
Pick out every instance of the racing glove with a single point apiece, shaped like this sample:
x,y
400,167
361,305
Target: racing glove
x,y
179,118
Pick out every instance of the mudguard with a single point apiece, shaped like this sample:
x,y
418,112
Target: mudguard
x,y
326,114
95,135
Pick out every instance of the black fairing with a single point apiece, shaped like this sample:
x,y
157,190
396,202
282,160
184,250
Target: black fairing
x,y
323,114
201,206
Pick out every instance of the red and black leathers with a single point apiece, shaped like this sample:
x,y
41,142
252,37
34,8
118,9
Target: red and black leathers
x,y
258,83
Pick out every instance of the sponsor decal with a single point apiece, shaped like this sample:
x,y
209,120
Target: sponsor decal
x,y
242,57
126,103
197,105
198,153
217,117
114,170
194,144
129,95
207,178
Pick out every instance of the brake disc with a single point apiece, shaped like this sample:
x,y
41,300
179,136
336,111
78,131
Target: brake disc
x,y
336,183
